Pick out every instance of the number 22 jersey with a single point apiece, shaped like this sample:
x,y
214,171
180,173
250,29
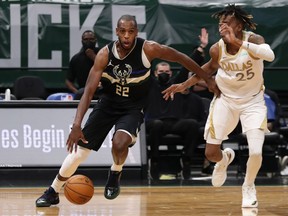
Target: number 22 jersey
x,y
126,81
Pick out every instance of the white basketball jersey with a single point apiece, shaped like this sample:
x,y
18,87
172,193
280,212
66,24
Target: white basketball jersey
x,y
239,75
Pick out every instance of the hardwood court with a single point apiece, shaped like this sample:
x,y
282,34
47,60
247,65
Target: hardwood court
x,y
151,201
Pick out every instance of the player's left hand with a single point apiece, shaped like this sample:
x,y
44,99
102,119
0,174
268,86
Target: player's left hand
x,y
75,135
227,33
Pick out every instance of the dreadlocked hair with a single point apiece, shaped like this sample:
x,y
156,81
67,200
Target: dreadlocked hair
x,y
239,13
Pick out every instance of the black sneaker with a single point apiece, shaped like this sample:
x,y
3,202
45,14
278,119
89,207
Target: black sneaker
x,y
186,168
50,197
208,170
186,171
112,188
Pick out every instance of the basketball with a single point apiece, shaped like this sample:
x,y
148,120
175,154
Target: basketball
x,y
79,189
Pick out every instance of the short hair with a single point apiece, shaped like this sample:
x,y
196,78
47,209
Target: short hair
x,y
88,31
162,64
127,17
238,13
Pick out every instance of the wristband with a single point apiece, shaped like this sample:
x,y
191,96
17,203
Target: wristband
x,y
262,51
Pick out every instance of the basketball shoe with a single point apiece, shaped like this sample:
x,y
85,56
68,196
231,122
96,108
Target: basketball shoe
x,y
249,198
50,197
249,211
219,174
186,167
112,188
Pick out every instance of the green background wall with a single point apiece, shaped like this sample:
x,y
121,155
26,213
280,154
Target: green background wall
x,y
174,25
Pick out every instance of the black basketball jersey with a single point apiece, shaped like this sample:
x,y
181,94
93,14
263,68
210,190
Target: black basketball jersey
x,y
126,81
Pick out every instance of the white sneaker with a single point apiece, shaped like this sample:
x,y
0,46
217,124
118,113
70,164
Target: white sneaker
x,y
249,199
249,211
284,171
219,174
284,166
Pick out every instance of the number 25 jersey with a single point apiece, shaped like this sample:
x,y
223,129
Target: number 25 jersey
x,y
239,75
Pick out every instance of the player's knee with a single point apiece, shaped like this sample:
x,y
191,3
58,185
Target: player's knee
x,y
120,145
255,140
121,141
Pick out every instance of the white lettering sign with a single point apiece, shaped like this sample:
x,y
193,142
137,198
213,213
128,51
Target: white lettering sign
x,y
37,137
37,30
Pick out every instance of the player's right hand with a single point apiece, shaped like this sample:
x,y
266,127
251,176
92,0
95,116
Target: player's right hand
x,y
75,135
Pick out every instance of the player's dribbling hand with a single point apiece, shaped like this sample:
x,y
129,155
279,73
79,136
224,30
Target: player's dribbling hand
x,y
75,135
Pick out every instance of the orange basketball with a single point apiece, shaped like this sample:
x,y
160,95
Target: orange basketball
x,y
79,189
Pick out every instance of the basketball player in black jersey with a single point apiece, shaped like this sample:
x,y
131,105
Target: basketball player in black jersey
x,y
124,69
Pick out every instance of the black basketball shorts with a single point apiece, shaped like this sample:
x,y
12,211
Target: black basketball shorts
x,y
100,122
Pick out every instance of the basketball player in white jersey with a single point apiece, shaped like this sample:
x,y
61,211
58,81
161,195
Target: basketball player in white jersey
x,y
238,60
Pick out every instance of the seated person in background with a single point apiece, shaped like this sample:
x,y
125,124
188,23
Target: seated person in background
x,y
200,88
182,116
198,55
81,63
273,110
194,108
274,113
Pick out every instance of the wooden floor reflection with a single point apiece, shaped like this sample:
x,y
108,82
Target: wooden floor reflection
x,y
151,201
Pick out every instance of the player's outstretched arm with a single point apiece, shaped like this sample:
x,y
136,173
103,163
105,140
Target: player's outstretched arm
x,y
155,50
170,91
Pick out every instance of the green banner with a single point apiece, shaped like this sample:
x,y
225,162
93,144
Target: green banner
x,y
40,37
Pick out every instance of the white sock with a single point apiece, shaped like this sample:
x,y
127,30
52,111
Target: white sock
x,y
57,184
69,166
116,167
